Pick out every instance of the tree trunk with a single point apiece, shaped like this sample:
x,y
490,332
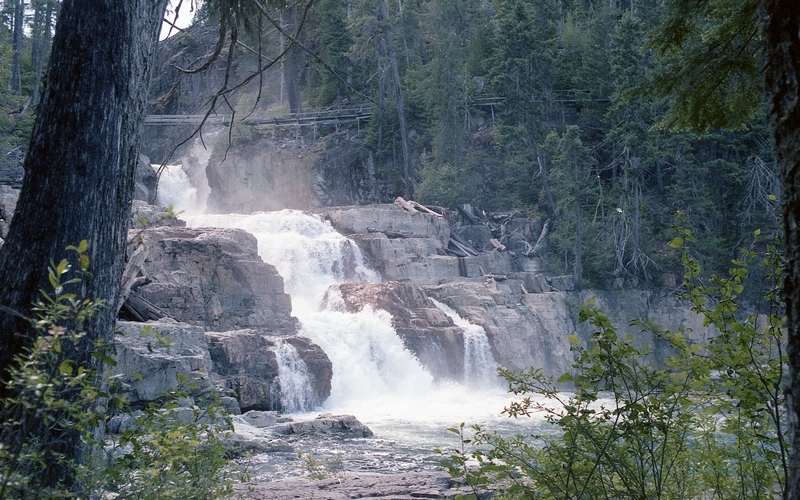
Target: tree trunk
x,y
15,77
780,23
399,100
80,164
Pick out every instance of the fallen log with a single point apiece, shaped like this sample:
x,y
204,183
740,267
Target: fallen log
x,y
141,309
425,209
466,211
463,244
130,274
540,241
405,205
467,250
497,245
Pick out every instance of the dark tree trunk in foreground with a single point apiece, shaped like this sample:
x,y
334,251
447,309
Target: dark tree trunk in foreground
x,y
781,30
80,163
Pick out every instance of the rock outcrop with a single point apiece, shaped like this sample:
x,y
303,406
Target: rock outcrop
x,y
157,356
227,316
145,181
214,278
341,425
246,363
426,331
8,202
527,313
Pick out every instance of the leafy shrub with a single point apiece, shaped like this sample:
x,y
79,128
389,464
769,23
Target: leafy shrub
x,y
710,423
56,406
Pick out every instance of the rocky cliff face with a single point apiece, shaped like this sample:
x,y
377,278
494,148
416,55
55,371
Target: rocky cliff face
x,y
214,278
227,313
526,313
263,173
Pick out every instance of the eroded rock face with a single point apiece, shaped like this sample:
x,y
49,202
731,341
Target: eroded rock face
x,y
214,278
8,202
245,361
269,176
523,329
144,215
426,331
162,353
343,425
145,181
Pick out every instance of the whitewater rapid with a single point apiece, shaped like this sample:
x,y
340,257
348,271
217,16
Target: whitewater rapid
x,y
375,377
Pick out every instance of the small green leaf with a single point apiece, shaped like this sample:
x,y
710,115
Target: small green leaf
x,y
676,242
573,339
567,377
66,367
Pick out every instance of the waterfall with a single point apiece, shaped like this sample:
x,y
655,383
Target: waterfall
x,y
293,381
369,359
374,376
175,189
480,368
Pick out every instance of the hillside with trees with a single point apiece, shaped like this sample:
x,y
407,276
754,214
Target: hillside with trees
x,y
506,105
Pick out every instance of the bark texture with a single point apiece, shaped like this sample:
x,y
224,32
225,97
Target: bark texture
x,y
780,21
79,169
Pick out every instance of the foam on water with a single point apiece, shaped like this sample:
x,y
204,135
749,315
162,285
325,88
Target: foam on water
x,y
480,368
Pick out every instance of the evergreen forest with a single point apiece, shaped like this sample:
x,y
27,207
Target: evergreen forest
x,y
545,107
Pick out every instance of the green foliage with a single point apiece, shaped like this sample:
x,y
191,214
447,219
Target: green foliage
x,y
709,422
56,407
710,50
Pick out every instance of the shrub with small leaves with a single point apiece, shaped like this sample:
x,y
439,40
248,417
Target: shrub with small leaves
x,y
710,422
56,401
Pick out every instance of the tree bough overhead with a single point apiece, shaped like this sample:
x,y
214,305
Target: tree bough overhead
x,y
80,163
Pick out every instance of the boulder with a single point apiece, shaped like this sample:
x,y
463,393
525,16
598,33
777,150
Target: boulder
x,y
246,362
426,331
8,203
340,425
144,215
156,356
214,278
145,181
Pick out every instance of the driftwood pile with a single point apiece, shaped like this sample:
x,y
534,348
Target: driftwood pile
x,y
130,304
467,215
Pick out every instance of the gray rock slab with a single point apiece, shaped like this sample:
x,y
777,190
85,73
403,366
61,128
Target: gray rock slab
x,y
389,218
214,278
155,356
406,486
341,425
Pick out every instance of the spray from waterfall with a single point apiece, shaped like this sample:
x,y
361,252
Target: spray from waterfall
x,y
175,190
480,368
293,384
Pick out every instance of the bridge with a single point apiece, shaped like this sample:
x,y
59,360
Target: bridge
x,y
335,116
330,116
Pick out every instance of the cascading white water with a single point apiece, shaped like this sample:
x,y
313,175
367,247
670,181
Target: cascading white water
x,y
374,376
480,368
293,381
175,190
369,359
